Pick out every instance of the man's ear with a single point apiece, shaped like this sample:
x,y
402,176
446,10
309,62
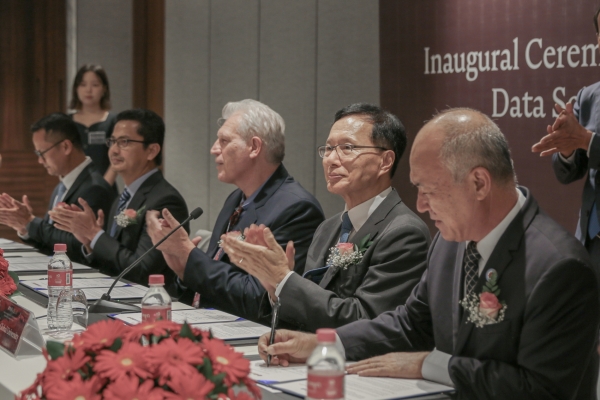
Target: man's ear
x,y
67,146
153,150
256,145
481,179
387,162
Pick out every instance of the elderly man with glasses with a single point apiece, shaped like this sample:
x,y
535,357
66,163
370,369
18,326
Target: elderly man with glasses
x,y
58,148
361,262
111,245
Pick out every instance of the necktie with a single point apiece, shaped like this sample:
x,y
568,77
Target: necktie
x,y
60,192
593,225
346,228
233,220
471,267
123,199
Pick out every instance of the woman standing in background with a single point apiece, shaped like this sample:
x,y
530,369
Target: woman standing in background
x,y
90,99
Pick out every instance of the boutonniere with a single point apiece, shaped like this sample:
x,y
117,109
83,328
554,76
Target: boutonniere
x,y
485,309
129,217
345,255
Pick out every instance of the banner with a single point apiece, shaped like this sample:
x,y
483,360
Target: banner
x,y
511,59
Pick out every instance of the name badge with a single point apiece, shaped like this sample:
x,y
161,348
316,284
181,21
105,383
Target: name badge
x,y
97,137
19,333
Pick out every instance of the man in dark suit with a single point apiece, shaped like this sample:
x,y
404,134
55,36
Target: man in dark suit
x,y
135,151
59,149
575,148
248,152
509,305
359,161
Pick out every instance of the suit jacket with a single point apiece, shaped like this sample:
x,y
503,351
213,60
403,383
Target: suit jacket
x,y
288,210
112,255
545,348
587,111
90,186
384,277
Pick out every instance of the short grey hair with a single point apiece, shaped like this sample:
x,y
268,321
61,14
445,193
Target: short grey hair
x,y
473,140
258,119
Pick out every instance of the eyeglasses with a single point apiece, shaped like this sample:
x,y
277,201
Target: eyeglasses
x,y
122,142
41,153
346,149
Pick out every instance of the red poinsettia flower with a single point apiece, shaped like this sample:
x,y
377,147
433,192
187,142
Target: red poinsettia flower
x,y
130,388
169,358
129,360
157,328
75,389
64,368
189,387
100,335
225,359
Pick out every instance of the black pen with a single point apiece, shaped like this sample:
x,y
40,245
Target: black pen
x,y
274,318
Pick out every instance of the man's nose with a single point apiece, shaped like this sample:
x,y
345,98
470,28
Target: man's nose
x,y
422,204
215,149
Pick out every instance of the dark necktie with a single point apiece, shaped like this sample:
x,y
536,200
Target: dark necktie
x,y
346,228
233,220
60,192
593,225
123,199
471,267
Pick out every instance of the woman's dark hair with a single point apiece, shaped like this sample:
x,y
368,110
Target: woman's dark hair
x,y
100,73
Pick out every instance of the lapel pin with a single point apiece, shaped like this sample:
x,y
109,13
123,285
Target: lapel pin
x,y
490,274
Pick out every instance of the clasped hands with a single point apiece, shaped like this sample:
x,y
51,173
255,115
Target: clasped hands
x,y
80,221
260,255
15,214
296,347
564,136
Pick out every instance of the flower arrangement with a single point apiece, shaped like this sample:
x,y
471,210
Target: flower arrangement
x,y
485,309
129,217
345,255
154,361
8,280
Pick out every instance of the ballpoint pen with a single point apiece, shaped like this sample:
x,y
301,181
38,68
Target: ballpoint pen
x,y
274,318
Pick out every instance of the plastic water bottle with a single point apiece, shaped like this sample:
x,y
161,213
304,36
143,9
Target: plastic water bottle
x,y
156,304
60,276
325,369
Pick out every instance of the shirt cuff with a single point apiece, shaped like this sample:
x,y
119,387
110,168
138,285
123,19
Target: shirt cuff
x,y
26,235
180,284
279,287
340,346
571,158
95,239
589,146
435,368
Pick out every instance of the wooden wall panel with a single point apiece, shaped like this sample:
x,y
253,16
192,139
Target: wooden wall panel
x,y
32,81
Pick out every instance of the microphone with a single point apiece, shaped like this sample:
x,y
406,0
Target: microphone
x,y
104,305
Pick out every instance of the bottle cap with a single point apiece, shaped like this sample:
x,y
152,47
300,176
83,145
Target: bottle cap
x,y
326,335
60,247
156,280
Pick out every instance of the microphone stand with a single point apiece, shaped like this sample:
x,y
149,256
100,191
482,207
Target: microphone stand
x,y
104,305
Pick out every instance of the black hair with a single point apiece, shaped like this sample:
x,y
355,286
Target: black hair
x,y
100,73
59,126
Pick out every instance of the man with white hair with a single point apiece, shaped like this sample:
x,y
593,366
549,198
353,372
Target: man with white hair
x,y
249,151
508,307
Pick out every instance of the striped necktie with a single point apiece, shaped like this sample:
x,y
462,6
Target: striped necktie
x,y
123,199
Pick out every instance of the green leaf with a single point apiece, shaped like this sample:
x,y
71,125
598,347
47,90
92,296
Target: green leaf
x,y
364,241
55,349
15,294
208,370
217,379
14,277
186,332
116,345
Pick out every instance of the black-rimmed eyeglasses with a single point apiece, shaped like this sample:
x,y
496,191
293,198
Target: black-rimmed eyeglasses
x,y
346,149
41,153
122,142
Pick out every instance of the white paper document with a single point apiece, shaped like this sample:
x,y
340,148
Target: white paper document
x,y
366,388
275,373
34,259
39,265
21,254
236,330
79,283
8,245
194,316
118,293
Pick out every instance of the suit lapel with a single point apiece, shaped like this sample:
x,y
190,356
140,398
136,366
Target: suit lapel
x,y
370,227
139,199
82,177
500,258
457,293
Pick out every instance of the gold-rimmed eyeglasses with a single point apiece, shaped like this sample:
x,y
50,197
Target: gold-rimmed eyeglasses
x,y
343,150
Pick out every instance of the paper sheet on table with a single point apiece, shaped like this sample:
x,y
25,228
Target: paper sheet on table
x,y
128,292
21,254
78,283
275,373
8,245
39,266
200,316
365,388
36,259
236,330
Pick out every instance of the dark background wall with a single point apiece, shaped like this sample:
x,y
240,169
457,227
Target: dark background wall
x,y
453,27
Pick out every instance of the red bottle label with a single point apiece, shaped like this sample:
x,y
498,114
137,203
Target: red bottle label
x,y
325,385
60,277
153,313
